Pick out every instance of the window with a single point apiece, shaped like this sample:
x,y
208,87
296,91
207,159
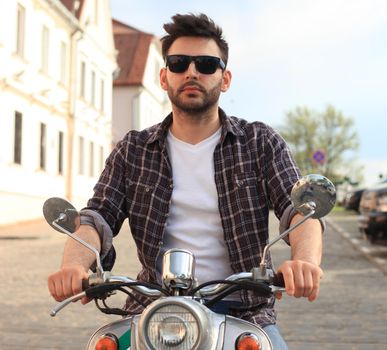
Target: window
x,y
102,97
63,62
60,153
17,145
93,88
20,30
81,165
45,49
43,146
83,79
91,164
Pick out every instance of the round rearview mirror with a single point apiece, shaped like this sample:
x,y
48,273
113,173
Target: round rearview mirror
x,y
316,190
62,213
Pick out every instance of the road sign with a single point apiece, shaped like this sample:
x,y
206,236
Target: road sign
x,y
319,157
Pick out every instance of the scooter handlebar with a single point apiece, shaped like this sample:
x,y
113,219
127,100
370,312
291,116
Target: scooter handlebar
x,y
85,284
278,280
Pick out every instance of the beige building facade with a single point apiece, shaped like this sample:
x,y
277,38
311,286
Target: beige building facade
x,y
57,63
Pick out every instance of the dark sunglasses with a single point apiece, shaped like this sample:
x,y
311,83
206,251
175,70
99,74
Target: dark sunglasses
x,y
203,64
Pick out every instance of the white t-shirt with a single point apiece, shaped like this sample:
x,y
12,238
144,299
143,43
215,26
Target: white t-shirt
x,y
194,220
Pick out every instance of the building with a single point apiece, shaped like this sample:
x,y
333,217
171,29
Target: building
x,y
138,100
57,63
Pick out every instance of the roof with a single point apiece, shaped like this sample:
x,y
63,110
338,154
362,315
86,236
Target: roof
x,y
133,48
70,5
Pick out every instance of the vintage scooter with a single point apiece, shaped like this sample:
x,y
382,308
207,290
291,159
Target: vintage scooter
x,y
179,317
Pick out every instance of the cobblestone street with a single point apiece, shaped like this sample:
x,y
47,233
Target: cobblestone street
x,y
350,313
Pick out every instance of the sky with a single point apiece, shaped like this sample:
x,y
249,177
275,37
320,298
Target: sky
x,y
289,53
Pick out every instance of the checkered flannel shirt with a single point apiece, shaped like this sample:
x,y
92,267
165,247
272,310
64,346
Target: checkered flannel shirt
x,y
253,167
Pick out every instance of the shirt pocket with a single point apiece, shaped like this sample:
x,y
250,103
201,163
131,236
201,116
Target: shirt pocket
x,y
249,194
140,197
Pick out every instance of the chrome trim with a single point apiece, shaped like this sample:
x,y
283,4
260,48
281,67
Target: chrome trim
x,y
209,323
178,269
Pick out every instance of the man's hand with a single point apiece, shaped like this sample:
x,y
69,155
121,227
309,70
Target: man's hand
x,y
67,282
302,279
77,260
302,274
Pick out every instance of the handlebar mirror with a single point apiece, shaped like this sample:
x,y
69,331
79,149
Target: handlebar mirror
x,y
63,217
62,213
316,192
313,196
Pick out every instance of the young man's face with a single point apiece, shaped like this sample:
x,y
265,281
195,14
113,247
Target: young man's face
x,y
193,91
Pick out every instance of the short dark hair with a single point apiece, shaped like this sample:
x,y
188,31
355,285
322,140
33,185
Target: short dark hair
x,y
193,25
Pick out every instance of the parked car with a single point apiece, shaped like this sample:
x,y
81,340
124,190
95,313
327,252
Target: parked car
x,y
372,220
352,199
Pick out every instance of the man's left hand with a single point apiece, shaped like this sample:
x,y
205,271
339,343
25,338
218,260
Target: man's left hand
x,y
302,279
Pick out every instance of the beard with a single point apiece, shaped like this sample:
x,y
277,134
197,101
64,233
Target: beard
x,y
195,105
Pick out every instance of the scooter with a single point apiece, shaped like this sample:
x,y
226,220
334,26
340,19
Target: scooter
x,y
179,318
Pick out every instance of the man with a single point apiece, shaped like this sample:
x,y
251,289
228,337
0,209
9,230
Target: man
x,y
200,180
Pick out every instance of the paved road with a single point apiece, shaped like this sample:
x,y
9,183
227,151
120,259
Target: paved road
x,y
346,224
28,253
350,313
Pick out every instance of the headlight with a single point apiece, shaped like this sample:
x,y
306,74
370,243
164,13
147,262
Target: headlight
x,y
170,326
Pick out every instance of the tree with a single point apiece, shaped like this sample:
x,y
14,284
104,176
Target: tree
x,y
322,142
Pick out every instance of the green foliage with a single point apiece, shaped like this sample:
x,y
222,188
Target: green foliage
x,y
330,132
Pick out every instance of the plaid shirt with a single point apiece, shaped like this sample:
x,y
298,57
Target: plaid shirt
x,y
253,166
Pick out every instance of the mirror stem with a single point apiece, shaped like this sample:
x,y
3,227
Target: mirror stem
x,y
99,268
311,207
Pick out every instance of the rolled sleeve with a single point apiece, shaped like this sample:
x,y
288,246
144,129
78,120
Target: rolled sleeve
x,y
287,218
94,219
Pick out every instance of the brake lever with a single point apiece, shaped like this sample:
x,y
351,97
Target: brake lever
x,y
65,302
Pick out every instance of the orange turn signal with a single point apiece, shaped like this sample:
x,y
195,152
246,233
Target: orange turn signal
x,y
107,342
248,341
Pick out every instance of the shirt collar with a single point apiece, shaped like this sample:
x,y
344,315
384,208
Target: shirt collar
x,y
229,125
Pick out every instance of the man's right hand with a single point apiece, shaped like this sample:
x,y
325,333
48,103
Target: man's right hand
x,y
67,282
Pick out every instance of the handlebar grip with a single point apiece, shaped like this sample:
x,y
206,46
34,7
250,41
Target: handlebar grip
x,y
85,284
278,280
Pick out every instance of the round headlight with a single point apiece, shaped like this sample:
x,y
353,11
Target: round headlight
x,y
172,331
172,325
